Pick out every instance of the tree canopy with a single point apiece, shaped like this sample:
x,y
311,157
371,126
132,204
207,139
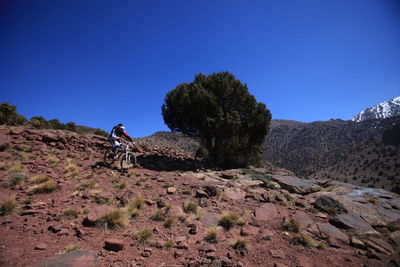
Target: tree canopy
x,y
218,109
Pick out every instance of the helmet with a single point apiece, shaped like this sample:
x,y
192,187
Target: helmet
x,y
121,126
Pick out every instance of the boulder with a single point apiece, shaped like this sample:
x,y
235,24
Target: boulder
x,y
113,244
297,185
329,231
267,212
77,258
329,204
235,193
355,222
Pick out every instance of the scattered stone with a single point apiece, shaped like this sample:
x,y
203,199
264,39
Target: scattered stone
x,y
77,258
178,254
267,212
201,193
303,219
235,193
176,211
277,253
249,230
114,244
208,248
183,245
211,190
31,212
171,190
40,246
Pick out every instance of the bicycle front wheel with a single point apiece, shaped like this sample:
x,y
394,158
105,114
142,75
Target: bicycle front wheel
x,y
128,161
109,156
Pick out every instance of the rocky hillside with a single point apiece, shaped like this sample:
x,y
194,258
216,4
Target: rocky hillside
x,y
60,206
386,109
306,148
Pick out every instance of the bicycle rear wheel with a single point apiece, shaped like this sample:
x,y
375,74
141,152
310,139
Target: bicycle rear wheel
x,y
109,156
128,161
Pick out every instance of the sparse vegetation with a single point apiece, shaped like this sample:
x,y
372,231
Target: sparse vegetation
x,y
117,218
46,187
169,222
211,236
84,186
71,213
157,215
239,244
228,220
190,207
292,225
302,239
39,179
169,244
8,206
14,179
144,236
71,248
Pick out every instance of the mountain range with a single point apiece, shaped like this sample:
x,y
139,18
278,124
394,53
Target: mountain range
x,y
382,110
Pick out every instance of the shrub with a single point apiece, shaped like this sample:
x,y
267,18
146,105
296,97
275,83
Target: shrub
x,y
46,187
84,186
169,244
71,213
115,219
302,239
39,179
9,115
190,207
211,236
14,179
157,215
169,222
228,220
292,225
8,206
239,244
71,248
15,168
144,236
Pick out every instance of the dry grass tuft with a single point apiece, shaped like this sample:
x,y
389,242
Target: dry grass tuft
x,y
228,220
144,236
46,187
8,206
115,219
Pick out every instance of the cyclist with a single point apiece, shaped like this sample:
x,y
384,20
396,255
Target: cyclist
x,y
116,135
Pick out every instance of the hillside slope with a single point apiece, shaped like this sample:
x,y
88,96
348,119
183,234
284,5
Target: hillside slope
x,y
56,197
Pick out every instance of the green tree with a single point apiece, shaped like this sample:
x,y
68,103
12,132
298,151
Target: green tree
x,y
56,124
39,122
218,109
9,115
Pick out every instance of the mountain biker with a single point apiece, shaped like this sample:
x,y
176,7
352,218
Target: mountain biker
x,y
116,135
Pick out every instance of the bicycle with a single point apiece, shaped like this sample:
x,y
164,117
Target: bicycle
x,y
128,158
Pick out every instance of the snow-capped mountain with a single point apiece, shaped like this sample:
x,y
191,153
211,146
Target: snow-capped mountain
x,y
383,110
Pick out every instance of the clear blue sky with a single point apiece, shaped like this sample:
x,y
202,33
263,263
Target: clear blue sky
x,y
98,63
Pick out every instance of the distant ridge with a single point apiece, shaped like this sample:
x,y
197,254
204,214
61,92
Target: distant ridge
x,y
382,110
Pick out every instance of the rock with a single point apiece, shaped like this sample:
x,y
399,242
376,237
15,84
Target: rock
x,y
18,130
249,230
380,245
95,214
114,244
329,231
328,204
297,185
77,258
183,245
208,248
267,212
49,137
211,190
277,253
235,193
171,190
303,219
31,212
395,237
176,211
353,221
40,246
210,219
355,242
177,254
201,193
230,174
